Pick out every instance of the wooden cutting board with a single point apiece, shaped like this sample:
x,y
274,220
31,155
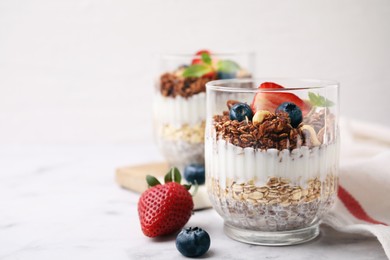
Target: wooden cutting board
x,y
133,178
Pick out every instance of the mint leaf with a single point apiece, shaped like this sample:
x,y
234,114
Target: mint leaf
x,y
319,101
206,58
197,70
314,99
227,66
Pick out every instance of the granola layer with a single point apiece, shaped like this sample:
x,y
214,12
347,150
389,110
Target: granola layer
x,y
172,85
275,131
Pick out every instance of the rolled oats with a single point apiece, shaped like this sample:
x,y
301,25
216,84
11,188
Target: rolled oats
x,y
278,201
191,134
277,190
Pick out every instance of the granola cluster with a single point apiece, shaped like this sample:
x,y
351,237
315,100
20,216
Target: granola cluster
x,y
172,85
323,123
274,132
316,120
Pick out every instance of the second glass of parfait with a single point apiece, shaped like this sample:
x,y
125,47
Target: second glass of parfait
x,y
179,107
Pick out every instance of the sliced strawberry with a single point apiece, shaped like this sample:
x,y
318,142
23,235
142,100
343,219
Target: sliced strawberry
x,y
271,100
199,53
210,75
270,85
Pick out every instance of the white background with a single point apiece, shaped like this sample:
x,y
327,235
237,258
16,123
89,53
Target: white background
x,y
82,71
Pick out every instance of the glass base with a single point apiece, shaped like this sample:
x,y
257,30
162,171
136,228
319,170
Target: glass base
x,y
277,238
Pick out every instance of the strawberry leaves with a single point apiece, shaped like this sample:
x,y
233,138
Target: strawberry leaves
x,y
173,175
152,181
319,101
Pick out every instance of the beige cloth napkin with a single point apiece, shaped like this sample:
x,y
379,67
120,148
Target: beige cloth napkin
x,y
363,203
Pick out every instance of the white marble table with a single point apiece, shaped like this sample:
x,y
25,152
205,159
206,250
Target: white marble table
x,y
61,202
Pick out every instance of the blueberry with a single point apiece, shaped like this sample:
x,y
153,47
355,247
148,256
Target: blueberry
x,y
226,75
195,172
193,242
240,111
294,112
183,66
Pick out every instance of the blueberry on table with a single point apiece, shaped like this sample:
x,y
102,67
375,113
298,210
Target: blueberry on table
x,y
294,112
195,172
241,111
193,242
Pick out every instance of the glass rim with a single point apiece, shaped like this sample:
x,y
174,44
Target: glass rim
x,y
216,85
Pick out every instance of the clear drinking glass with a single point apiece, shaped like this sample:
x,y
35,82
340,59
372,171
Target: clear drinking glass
x,y
272,156
180,100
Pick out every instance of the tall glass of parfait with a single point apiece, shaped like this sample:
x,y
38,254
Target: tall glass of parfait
x,y
272,156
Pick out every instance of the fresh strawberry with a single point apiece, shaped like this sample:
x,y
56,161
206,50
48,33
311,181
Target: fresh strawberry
x,y
199,54
271,100
164,209
270,85
200,60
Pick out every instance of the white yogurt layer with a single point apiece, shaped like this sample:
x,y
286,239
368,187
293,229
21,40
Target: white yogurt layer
x,y
179,111
226,161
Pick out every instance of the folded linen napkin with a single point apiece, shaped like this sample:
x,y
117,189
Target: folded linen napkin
x,y
363,203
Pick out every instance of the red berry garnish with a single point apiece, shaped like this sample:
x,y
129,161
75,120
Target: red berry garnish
x,y
272,100
164,209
